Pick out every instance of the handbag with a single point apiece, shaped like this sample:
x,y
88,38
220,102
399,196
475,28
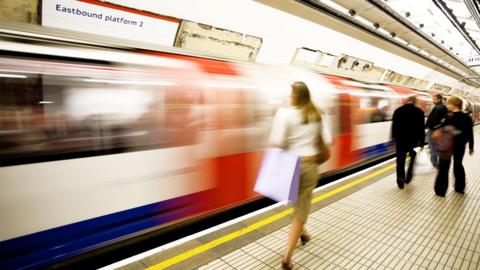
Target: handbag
x,y
324,140
324,151
443,138
279,175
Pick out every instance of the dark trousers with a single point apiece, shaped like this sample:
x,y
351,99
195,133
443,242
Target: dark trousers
x,y
401,156
441,182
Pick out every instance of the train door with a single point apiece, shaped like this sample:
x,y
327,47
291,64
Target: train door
x,y
345,138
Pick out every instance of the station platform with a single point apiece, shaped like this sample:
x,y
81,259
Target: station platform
x,y
363,221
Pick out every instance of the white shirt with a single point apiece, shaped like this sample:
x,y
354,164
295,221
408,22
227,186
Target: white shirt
x,y
289,133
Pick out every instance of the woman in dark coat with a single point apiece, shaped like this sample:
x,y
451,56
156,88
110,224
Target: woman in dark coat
x,y
462,134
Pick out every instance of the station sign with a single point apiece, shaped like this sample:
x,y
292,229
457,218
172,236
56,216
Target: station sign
x,y
106,19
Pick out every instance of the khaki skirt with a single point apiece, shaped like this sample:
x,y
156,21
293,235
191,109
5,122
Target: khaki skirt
x,y
308,181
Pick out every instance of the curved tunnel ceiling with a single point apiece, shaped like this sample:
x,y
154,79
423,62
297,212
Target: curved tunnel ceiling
x,y
425,27
453,23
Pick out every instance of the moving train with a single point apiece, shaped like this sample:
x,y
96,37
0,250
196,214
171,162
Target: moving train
x,y
98,145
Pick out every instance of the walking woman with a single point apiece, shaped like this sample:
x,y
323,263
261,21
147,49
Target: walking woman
x,y
298,129
464,127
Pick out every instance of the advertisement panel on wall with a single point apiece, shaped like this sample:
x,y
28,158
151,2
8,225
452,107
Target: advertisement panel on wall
x,y
214,41
102,18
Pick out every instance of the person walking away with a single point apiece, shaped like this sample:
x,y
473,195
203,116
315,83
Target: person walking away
x,y
438,112
463,125
469,111
298,129
408,132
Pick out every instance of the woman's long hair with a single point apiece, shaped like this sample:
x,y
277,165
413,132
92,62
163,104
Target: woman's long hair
x,y
304,102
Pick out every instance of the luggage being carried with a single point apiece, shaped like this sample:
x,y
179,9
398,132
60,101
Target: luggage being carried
x,y
422,163
443,138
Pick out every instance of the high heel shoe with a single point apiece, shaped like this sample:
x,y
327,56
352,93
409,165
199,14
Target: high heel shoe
x,y
287,265
305,239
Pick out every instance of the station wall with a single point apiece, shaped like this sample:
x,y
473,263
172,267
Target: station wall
x,y
282,33
25,11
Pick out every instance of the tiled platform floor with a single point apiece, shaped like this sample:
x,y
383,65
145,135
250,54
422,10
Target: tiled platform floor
x,y
382,227
373,225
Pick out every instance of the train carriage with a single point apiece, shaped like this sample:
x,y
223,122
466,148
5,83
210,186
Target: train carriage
x,y
100,145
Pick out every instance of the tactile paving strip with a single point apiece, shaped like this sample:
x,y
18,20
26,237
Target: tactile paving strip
x,y
382,227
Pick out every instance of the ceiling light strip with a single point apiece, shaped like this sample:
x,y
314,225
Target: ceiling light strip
x,y
453,20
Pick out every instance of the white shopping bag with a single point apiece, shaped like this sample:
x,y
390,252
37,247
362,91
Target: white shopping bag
x,y
279,176
422,163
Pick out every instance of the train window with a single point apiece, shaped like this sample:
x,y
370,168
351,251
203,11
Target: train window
x,y
50,117
373,108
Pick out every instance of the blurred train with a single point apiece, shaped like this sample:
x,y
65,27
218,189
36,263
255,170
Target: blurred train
x,y
100,145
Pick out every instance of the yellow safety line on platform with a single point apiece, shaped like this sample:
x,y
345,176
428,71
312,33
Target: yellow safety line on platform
x,y
188,254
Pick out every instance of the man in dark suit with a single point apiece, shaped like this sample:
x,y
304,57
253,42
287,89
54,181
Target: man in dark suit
x,y
408,132
434,119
